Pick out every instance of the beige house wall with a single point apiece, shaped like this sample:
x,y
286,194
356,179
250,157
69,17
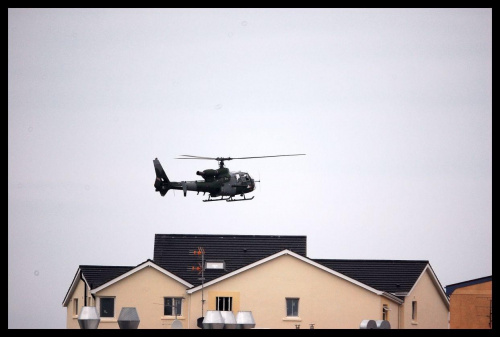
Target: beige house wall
x,y
144,290
71,314
393,315
432,311
325,300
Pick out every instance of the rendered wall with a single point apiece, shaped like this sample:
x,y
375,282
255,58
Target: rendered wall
x,y
143,290
393,314
432,310
325,300
72,320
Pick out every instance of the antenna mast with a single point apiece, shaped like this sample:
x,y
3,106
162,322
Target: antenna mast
x,y
200,269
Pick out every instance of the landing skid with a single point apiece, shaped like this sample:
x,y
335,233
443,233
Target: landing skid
x,y
221,199
229,199
241,199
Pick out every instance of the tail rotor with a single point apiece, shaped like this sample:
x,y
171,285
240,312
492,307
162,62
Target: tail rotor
x,y
257,181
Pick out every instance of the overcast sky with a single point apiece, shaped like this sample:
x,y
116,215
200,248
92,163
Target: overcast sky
x,y
392,107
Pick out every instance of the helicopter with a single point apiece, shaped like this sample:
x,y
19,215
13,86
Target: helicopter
x,y
217,182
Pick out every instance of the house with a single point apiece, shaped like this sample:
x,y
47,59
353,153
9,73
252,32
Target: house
x,y
269,275
471,304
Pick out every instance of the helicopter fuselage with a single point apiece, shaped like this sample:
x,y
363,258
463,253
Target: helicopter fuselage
x,y
217,182
226,184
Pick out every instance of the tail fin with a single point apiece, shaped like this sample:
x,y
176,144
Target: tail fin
x,y
162,184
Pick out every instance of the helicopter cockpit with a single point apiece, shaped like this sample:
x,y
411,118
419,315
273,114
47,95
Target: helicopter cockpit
x,y
242,177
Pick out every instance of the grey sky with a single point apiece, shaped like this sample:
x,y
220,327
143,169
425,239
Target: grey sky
x,y
392,107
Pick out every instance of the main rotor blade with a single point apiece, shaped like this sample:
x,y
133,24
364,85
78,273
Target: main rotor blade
x,y
231,158
195,157
279,155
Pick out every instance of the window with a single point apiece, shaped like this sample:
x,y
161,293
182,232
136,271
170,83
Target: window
x,y
292,307
223,303
107,307
172,306
214,265
385,312
75,306
414,310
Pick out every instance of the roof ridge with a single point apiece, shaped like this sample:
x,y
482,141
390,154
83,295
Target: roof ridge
x,y
105,266
232,235
371,260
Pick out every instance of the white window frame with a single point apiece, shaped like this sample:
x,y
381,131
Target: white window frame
x,y
100,306
385,312
294,302
414,315
174,300
75,306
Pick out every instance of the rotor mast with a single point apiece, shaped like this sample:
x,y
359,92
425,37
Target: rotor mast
x,y
221,161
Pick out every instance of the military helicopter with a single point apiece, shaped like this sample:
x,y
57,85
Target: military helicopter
x,y
217,182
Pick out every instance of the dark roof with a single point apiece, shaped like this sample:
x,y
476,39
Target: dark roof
x,y
451,287
174,252
96,276
392,276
